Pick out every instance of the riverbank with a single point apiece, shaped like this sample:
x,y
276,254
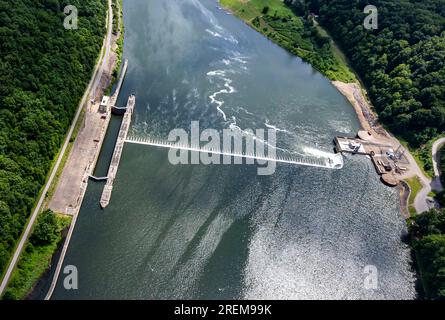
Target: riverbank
x,y
421,199
36,259
61,98
257,10
305,39
369,122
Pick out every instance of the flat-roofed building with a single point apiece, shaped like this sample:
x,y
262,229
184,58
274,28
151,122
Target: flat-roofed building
x,y
103,107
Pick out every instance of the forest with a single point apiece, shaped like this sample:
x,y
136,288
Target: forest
x,y
402,62
44,70
428,240
36,257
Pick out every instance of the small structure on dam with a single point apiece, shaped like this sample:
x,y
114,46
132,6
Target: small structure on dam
x,y
387,162
103,107
112,171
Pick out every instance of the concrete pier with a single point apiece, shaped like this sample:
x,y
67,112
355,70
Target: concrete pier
x,y
112,171
387,162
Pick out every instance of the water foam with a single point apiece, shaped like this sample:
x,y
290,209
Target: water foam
x,y
229,89
275,128
229,38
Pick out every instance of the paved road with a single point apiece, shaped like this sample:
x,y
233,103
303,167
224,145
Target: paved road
x,y
437,185
99,73
423,202
92,85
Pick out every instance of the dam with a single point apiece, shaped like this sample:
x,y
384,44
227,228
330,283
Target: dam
x,y
331,161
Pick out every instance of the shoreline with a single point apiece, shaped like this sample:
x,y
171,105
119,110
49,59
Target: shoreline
x,y
354,92
98,129
71,185
40,288
369,121
350,91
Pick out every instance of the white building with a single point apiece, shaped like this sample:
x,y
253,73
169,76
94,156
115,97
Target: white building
x,y
103,107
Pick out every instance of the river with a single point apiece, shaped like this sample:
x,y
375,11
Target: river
x,y
222,231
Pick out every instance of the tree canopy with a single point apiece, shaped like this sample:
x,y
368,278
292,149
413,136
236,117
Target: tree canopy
x,y
45,230
402,62
44,70
428,241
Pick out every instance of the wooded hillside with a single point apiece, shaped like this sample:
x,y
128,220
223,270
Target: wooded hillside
x,y
44,70
402,62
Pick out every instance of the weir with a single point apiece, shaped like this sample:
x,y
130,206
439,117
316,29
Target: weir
x,y
112,171
330,161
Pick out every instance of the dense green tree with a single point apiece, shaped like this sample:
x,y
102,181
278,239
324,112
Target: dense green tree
x,y
45,230
431,255
428,223
401,63
403,66
428,240
44,70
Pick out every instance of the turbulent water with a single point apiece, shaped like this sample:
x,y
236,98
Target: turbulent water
x,y
222,231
